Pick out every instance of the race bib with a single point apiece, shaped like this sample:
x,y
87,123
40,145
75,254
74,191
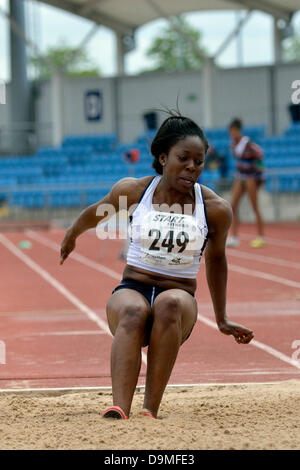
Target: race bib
x,y
170,240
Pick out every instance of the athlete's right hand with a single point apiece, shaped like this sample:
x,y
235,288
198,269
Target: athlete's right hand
x,y
67,246
241,334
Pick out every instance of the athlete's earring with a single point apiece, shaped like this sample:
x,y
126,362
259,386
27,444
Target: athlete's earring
x,y
162,162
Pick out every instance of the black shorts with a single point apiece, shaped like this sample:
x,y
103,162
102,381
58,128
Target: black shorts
x,y
148,291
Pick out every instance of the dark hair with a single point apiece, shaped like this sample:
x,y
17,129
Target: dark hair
x,y
236,123
172,130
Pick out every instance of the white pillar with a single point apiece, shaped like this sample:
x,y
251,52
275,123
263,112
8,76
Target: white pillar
x,y
20,89
120,54
278,36
57,84
208,92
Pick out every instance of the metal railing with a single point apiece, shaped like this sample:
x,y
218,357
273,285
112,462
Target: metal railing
x,y
63,200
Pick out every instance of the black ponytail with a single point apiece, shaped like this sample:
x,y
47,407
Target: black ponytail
x,y
175,128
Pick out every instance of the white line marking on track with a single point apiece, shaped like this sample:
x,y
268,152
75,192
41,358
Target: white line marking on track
x,y
257,309
257,344
60,333
58,390
266,276
263,275
261,372
72,333
58,286
99,267
262,258
82,259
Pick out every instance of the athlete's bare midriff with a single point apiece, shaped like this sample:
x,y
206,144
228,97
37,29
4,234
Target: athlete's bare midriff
x,y
161,280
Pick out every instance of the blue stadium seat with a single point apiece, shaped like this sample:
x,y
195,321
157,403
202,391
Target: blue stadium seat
x,y
93,159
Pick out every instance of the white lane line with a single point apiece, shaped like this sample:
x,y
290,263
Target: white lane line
x,y
257,344
279,308
60,333
233,252
263,275
210,323
82,259
263,259
261,372
61,390
70,333
273,241
99,267
58,286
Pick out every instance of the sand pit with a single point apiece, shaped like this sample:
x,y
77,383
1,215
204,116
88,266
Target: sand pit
x,y
257,416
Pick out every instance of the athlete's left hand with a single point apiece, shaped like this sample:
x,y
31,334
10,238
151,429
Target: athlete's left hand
x,y
241,334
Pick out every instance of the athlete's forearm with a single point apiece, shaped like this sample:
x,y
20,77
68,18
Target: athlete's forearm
x,y
85,221
216,274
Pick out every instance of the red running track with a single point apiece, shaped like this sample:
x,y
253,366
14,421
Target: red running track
x,y
53,324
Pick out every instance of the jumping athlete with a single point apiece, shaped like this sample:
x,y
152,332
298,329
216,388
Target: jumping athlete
x,y
172,221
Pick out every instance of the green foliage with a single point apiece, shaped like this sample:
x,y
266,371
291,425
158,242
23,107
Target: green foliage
x,y
74,62
291,49
178,47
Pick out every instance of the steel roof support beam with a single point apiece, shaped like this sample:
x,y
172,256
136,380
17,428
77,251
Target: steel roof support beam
x,y
93,15
266,6
88,5
232,35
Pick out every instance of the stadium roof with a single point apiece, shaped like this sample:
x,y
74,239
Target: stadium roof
x,y
126,15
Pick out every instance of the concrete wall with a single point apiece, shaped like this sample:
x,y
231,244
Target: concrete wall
x,y
74,121
43,113
74,92
243,93
259,95
4,121
140,94
284,77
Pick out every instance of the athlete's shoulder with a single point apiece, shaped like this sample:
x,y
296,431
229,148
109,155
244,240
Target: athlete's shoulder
x,y
218,210
132,188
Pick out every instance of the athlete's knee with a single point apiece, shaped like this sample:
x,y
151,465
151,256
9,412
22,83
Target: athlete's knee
x,y
168,310
133,317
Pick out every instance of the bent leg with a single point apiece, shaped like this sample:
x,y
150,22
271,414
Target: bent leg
x,y
174,315
252,190
128,313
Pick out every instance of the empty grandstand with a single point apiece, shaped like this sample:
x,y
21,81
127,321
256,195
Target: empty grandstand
x,y
67,160
84,167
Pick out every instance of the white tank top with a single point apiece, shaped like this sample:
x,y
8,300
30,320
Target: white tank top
x,y
165,242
